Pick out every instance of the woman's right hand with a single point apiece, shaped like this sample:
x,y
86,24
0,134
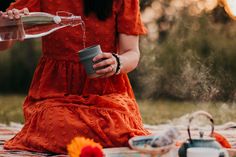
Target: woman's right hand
x,y
14,13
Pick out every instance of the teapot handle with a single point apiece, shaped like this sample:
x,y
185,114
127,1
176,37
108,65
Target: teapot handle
x,y
204,113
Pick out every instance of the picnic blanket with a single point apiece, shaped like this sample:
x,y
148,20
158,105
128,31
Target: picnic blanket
x,y
8,131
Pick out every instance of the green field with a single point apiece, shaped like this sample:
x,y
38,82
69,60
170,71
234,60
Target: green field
x,y
153,112
156,112
11,108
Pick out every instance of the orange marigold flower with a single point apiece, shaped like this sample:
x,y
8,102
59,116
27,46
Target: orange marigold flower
x,y
78,144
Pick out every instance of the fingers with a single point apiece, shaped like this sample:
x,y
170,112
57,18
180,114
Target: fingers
x,y
105,64
107,73
4,15
10,14
102,56
103,59
15,13
24,11
105,70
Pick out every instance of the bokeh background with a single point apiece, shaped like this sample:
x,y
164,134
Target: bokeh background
x,y
188,63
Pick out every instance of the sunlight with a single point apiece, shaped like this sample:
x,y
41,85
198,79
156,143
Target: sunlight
x,y
232,4
230,7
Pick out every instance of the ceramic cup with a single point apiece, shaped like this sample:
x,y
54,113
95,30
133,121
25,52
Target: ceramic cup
x,y
205,152
86,58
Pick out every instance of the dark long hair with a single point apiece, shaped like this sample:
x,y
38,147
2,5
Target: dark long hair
x,y
101,8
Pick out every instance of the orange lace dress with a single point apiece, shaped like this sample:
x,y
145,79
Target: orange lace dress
x,y
62,102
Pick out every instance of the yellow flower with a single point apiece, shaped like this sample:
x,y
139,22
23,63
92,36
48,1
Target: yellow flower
x,y
78,143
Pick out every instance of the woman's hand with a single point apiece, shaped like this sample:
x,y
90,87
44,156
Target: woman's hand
x,y
105,64
14,13
11,14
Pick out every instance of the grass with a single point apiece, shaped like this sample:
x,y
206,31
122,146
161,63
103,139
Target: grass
x,y
153,112
162,111
11,108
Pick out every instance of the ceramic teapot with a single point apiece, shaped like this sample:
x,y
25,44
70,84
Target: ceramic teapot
x,y
200,142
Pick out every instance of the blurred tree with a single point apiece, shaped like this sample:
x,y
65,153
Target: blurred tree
x,y
189,51
17,66
145,3
220,16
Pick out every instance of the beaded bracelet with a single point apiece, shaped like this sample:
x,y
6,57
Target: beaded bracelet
x,y
118,68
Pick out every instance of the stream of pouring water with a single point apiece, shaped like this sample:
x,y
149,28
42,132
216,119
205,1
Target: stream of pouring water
x,y
83,27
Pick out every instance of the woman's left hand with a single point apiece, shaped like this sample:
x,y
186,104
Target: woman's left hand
x,y
105,64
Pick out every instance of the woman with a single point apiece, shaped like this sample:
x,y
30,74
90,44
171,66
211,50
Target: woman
x,y
62,102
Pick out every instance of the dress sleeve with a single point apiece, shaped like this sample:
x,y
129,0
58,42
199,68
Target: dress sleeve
x,y
129,20
32,5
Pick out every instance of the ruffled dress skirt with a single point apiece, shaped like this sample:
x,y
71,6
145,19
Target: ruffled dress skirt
x,y
63,103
